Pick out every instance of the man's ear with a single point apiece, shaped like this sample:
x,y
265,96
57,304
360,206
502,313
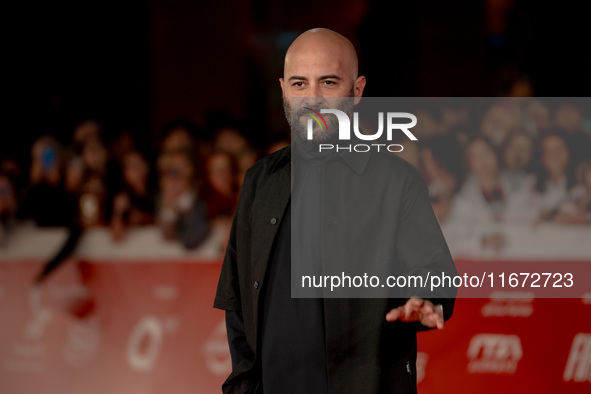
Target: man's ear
x,y
358,87
281,83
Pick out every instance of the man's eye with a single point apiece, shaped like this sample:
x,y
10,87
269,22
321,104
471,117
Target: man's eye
x,y
298,84
329,82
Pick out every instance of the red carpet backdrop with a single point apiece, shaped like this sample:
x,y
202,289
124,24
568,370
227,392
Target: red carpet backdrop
x,y
136,317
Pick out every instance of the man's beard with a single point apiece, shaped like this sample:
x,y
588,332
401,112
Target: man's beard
x,y
300,130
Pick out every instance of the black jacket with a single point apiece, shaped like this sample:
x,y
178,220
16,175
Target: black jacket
x,y
365,354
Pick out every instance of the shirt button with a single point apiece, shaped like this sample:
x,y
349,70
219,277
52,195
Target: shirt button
x,y
274,221
256,284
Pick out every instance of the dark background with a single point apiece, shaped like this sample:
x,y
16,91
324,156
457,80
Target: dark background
x,y
138,65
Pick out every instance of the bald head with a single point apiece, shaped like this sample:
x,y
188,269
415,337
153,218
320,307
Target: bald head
x,y
322,45
321,63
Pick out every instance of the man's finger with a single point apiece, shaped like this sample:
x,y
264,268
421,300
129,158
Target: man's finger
x,y
434,319
407,312
427,308
395,314
415,302
441,320
413,305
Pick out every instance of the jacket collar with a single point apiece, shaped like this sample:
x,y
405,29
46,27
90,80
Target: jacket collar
x,y
283,159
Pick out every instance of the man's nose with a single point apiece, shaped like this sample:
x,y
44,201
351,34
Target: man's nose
x,y
314,97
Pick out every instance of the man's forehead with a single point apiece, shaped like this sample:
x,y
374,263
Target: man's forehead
x,y
322,76
319,59
316,65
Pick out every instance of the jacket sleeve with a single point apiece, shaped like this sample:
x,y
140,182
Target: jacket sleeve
x,y
239,349
228,291
228,297
422,248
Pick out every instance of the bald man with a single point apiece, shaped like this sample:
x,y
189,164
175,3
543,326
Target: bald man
x,y
281,344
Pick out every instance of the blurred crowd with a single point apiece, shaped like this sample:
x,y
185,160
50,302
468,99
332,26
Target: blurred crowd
x,y
520,160
189,189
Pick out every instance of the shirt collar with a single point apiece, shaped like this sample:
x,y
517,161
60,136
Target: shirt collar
x,y
356,160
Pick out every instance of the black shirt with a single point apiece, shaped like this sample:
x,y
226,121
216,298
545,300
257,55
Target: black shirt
x,y
293,355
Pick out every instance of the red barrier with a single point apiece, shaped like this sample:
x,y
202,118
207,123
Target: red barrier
x,y
113,328
517,346
132,327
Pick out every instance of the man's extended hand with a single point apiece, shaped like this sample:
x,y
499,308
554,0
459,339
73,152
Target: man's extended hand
x,y
418,310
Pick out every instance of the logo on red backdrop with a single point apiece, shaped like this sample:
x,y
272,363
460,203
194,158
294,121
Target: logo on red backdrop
x,y
82,342
494,353
512,304
216,351
578,365
26,353
422,359
145,341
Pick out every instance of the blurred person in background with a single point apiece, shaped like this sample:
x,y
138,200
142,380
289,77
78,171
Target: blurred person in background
x,y
486,200
178,135
121,145
230,140
182,212
46,200
568,118
500,120
517,152
245,160
85,130
428,124
538,117
453,116
441,167
95,156
221,193
74,172
12,169
582,192
221,185
8,205
92,200
411,152
134,204
87,153
555,175
277,145
576,207
515,114
91,187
